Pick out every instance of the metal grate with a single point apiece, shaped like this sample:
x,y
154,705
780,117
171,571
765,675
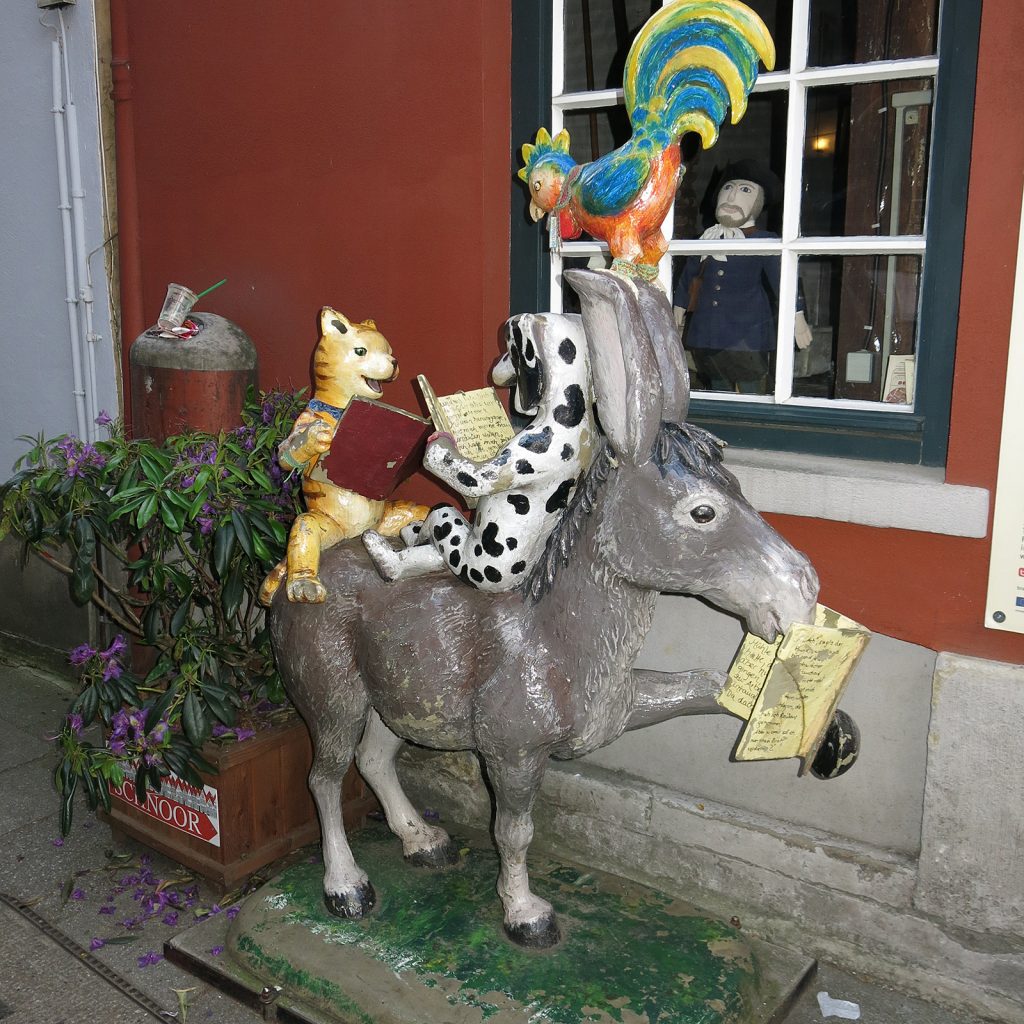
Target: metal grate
x,y
82,955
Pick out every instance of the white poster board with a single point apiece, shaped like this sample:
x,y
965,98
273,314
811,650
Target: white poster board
x,y
1004,605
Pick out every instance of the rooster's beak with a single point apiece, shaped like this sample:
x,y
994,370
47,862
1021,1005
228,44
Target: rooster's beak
x,y
536,213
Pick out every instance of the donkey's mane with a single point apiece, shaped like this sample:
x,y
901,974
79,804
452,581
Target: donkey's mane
x,y
697,449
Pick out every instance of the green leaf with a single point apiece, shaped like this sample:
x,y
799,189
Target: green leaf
x,y
88,704
160,706
67,806
85,542
181,615
194,720
232,591
171,516
151,623
260,549
33,522
83,584
223,548
140,783
146,511
242,530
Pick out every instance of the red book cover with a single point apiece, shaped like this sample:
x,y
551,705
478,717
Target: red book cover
x,y
375,447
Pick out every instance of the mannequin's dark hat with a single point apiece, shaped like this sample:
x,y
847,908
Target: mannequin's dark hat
x,y
753,170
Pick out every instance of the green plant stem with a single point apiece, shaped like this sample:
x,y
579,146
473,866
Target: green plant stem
x,y
96,599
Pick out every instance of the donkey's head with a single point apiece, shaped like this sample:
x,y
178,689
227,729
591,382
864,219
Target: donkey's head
x,y
674,518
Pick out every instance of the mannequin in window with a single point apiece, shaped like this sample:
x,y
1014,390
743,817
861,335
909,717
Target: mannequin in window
x,y
730,301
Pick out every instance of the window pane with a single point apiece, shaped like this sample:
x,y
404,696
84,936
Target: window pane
x,y
570,300
862,311
730,325
854,31
866,158
598,34
760,136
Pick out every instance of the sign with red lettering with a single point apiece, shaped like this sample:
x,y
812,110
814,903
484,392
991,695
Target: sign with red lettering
x,y
196,812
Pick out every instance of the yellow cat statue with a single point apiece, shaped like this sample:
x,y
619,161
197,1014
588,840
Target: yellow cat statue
x,y
351,359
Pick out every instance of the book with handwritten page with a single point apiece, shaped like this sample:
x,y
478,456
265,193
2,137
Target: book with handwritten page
x,y
476,419
788,690
375,447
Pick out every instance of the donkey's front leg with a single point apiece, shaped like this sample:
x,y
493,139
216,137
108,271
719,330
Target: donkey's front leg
x,y
423,845
529,920
347,890
663,695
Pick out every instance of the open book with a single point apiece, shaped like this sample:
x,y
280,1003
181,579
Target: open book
x,y
375,447
788,690
476,419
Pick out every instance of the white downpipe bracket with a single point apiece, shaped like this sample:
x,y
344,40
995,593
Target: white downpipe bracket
x,y
64,206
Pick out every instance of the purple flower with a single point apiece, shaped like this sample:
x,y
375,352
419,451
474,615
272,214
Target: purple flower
x,y
109,908
96,944
219,730
112,670
78,894
58,841
170,918
116,746
118,647
244,734
216,951
233,912
104,419
147,959
74,721
81,654
205,524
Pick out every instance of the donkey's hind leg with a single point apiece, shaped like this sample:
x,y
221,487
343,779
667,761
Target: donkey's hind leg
x,y
423,845
347,890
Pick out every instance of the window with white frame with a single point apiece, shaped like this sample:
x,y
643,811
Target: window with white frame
x,y
845,123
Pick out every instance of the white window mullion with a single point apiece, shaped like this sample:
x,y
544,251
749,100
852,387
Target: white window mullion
x,y
557,124
796,118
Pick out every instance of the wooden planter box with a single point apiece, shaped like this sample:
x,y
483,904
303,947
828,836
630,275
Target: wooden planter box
x,y
255,810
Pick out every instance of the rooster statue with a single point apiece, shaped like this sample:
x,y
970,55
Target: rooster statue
x,y
689,64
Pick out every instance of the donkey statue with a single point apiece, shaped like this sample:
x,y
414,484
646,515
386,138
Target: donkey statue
x,y
545,670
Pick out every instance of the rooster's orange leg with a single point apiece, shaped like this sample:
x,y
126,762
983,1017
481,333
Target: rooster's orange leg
x,y
655,245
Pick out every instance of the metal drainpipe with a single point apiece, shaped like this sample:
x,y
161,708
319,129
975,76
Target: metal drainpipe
x,y
129,248
69,261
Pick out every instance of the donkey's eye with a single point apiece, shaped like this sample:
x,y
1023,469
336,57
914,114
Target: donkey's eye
x,y
359,351
702,514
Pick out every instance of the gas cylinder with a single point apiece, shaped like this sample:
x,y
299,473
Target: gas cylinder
x,y
194,383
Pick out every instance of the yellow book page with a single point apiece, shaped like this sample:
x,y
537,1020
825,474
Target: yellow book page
x,y
478,422
747,675
803,685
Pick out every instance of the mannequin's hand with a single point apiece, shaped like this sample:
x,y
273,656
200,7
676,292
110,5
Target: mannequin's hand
x,y
802,333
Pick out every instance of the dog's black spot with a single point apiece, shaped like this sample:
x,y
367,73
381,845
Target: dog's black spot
x,y
456,540
529,353
417,527
464,574
567,452
518,567
476,575
492,574
536,443
524,467
490,541
454,558
467,479
571,414
520,502
560,496
511,543
478,551
503,456
339,327
442,531
567,350
517,337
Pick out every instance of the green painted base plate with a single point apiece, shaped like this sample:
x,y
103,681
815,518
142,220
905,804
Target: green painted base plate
x,y
433,949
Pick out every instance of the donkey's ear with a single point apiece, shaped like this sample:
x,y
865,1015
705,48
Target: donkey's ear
x,y
627,382
668,350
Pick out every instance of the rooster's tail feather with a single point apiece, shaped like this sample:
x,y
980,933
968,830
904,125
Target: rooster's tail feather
x,y
691,62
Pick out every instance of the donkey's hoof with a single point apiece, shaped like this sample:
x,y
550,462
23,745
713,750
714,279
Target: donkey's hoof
x,y
839,749
444,855
540,934
357,902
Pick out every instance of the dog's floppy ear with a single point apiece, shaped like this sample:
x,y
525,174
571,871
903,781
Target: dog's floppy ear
x,y
333,322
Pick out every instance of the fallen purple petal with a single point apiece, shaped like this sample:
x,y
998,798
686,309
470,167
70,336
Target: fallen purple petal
x,y
58,841
147,959
78,894
108,909
216,951
233,912
96,944
170,918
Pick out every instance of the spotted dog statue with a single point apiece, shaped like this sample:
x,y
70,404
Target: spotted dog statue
x,y
525,487
351,359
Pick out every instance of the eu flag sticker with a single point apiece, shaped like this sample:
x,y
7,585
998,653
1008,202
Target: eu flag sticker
x,y
1020,602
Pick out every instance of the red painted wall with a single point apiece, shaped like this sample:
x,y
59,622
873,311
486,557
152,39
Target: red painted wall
x,y
326,153
917,586
318,153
